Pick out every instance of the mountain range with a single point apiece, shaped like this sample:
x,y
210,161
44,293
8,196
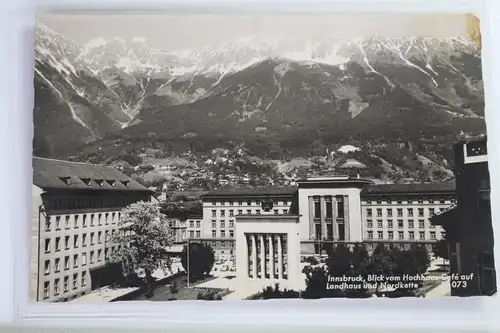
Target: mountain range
x,y
277,96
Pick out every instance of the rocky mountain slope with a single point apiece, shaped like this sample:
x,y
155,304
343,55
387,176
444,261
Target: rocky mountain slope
x,y
279,98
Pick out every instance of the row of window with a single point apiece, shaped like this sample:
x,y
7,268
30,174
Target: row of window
x,y
191,224
400,224
223,234
57,244
247,202
58,289
198,234
77,203
389,212
222,224
401,235
83,220
405,202
222,212
329,206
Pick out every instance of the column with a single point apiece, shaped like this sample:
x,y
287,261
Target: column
x,y
335,226
312,229
254,256
271,257
347,226
262,257
280,257
322,204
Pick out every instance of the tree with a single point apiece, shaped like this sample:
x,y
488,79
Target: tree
x,y
422,258
143,236
201,260
382,263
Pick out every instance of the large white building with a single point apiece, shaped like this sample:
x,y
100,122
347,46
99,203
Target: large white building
x,y
221,207
76,208
331,210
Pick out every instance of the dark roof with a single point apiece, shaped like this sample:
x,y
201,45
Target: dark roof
x,y
245,191
418,188
57,174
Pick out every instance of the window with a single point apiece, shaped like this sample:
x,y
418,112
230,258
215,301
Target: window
x,y
66,242
249,203
223,233
231,233
401,234
84,240
47,224
249,211
369,224
58,244
214,203
431,212
222,245
84,259
66,284
46,286
99,255
198,224
420,201
75,281
214,224
390,234
433,235
389,212
222,212
370,234
411,224
240,203
390,224
84,221
47,245
56,286
214,234
285,211
379,224
421,235
411,234
92,257
84,279
379,212
276,212
198,234
257,211
231,212
222,224
58,223
99,237
380,234
75,260
66,222
99,219
410,212
400,212
240,211
214,213
329,208
92,238
106,253
340,207
400,224
379,202
420,212
76,221
231,224
421,224
66,263
369,212
92,221
191,224
47,267
191,234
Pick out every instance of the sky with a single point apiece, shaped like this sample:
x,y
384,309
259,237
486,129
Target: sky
x,y
185,31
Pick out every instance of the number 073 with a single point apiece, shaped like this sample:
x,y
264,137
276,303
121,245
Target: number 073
x,y
458,284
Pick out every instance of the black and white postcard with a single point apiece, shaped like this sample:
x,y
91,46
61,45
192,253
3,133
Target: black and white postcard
x,y
259,156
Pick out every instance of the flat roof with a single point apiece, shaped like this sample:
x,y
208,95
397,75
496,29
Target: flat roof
x,y
417,188
248,191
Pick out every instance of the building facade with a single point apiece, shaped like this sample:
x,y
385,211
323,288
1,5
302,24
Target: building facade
x,y
402,212
221,207
268,251
76,209
469,228
330,210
